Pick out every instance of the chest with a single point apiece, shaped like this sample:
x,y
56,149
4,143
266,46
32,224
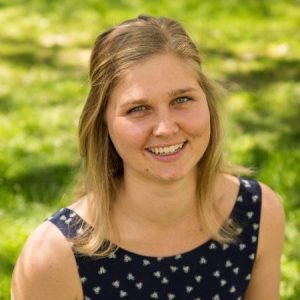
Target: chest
x,y
211,271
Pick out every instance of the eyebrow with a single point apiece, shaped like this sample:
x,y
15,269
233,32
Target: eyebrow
x,y
178,92
171,94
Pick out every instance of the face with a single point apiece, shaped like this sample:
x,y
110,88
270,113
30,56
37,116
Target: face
x,y
158,119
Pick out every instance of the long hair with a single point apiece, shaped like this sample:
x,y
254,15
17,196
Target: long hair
x,y
113,53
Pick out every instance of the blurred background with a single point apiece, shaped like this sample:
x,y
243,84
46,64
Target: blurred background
x,y
251,47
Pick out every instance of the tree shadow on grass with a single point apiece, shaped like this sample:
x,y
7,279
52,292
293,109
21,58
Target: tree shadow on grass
x,y
7,104
70,12
29,53
208,53
42,184
38,56
6,264
284,128
274,70
264,116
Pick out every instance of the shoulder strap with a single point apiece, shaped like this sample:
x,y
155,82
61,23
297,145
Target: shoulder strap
x,y
247,213
68,222
249,198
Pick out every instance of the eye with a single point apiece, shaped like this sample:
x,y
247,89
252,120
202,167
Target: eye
x,y
182,100
137,109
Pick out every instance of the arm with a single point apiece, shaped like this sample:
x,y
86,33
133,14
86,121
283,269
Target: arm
x,y
46,268
265,279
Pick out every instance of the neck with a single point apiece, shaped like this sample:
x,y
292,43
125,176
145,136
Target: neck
x,y
156,204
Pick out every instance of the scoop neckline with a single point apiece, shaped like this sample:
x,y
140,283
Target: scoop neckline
x,y
173,256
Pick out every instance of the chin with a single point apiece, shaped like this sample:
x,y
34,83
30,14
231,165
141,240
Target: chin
x,y
171,177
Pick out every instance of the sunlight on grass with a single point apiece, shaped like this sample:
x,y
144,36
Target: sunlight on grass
x,y
251,48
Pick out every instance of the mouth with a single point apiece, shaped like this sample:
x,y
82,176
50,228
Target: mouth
x,y
167,150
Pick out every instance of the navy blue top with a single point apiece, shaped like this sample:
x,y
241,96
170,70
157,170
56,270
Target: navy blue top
x,y
212,271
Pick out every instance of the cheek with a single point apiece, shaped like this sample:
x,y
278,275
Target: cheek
x,y
198,122
125,135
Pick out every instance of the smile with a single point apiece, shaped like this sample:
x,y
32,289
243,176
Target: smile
x,y
166,150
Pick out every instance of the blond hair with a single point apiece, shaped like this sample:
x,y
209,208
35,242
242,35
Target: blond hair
x,y
114,52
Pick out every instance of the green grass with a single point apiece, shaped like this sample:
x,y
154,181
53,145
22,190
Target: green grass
x,y
250,47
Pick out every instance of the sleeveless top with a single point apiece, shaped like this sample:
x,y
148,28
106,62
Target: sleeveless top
x,y
211,271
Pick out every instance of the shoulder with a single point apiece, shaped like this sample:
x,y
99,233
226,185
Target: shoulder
x,y
271,200
46,267
271,203
272,222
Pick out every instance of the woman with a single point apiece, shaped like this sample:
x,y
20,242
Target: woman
x,y
161,216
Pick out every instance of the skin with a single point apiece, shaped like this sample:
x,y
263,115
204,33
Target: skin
x,y
156,203
46,268
153,107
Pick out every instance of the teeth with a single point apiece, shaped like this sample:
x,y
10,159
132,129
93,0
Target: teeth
x,y
166,150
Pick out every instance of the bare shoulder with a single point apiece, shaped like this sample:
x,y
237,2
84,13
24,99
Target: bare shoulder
x,y
271,200
46,267
272,221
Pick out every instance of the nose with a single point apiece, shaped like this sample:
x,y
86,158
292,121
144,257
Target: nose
x,y
165,125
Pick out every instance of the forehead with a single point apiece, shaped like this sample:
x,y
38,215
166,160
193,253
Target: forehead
x,y
154,77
